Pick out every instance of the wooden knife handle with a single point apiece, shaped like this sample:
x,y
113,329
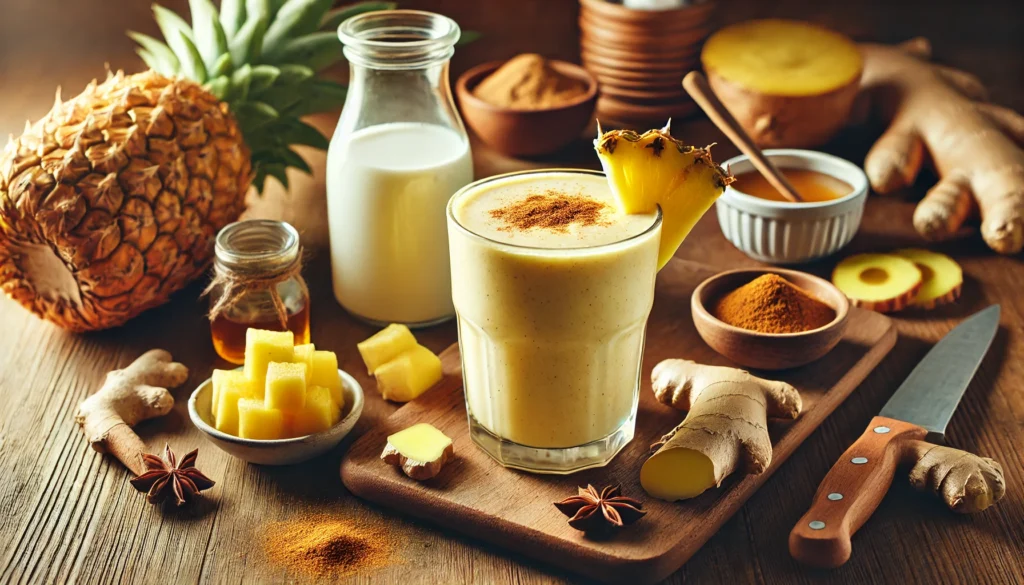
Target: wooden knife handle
x,y
851,492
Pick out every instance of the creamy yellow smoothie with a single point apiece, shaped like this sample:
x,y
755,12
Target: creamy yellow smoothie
x,y
552,286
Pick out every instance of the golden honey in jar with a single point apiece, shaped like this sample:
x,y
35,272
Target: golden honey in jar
x,y
256,277
813,186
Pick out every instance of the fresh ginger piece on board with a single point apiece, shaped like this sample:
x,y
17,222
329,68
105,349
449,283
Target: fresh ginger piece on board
x,y
385,345
654,169
725,430
410,374
420,451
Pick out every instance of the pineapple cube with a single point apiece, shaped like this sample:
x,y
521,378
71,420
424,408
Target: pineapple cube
x,y
226,420
256,421
223,379
286,386
263,347
385,346
304,355
318,415
325,373
408,375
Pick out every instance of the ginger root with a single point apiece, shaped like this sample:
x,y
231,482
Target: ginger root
x,y
420,451
966,482
975,146
128,396
725,430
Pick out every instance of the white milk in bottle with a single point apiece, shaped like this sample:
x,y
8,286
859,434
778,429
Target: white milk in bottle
x,y
398,155
387,189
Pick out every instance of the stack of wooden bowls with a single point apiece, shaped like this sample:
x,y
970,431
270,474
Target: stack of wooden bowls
x,y
640,57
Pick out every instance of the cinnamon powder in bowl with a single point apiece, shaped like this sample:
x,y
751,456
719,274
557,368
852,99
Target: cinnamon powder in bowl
x,y
529,82
528,106
729,308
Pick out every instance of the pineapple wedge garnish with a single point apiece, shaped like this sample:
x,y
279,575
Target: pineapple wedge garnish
x,y
654,169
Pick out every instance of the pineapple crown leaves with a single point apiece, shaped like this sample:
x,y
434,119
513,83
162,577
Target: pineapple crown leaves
x,y
262,57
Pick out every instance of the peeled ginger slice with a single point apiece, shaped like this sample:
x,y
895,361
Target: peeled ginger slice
x,y
420,451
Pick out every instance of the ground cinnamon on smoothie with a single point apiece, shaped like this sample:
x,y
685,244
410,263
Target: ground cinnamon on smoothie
x,y
772,304
553,210
529,82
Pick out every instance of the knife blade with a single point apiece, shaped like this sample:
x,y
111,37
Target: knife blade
x,y
932,391
920,408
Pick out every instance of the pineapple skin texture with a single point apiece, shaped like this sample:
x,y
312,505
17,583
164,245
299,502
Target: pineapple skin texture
x,y
110,203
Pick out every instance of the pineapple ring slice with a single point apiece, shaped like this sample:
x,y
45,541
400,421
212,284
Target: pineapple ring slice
x,y
942,278
878,282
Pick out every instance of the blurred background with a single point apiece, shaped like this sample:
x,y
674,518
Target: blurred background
x,y
49,43
46,43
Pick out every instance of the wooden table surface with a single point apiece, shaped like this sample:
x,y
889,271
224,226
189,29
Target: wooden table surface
x,y
68,514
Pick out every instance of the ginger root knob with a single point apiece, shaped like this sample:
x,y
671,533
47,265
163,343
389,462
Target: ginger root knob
x,y
966,482
726,429
976,147
128,396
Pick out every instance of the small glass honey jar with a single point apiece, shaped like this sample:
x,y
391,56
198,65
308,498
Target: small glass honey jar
x,y
257,284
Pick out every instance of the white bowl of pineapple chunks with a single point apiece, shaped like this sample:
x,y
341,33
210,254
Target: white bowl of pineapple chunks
x,y
287,403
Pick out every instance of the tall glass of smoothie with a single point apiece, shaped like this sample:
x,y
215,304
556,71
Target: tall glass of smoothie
x,y
552,287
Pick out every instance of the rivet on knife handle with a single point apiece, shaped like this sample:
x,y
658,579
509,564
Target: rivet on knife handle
x,y
850,493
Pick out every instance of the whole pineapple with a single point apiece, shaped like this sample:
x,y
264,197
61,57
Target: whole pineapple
x,y
110,203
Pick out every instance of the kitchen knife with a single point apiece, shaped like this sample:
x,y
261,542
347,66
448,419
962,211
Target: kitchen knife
x,y
918,410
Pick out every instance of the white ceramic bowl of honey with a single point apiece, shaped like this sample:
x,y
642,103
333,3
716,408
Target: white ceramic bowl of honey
x,y
783,232
278,451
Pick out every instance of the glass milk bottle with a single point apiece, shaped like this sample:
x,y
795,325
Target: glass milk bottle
x,y
399,153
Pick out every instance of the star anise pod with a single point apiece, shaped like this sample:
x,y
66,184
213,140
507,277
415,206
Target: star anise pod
x,y
592,510
168,476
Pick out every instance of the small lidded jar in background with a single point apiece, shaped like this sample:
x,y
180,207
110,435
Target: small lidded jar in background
x,y
257,283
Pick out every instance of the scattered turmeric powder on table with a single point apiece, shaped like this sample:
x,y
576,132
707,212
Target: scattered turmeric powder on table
x,y
772,304
324,546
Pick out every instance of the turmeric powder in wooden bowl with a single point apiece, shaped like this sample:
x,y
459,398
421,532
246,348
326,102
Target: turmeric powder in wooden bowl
x,y
769,319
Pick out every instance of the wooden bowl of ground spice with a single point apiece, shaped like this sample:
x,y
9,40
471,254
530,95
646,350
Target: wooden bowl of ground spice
x,y
769,319
528,105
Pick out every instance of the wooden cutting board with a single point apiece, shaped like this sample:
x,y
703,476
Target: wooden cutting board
x,y
513,509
